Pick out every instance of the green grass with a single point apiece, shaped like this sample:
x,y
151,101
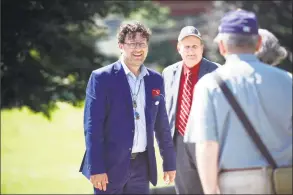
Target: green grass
x,y
41,156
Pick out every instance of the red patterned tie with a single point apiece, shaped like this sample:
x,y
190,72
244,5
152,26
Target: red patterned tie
x,y
185,104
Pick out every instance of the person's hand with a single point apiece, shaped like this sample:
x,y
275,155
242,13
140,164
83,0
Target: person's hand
x,y
218,190
100,181
169,177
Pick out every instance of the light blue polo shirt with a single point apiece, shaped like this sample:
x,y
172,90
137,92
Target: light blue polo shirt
x,y
265,94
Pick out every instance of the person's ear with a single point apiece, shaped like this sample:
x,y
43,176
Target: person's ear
x,y
222,48
178,48
120,45
259,42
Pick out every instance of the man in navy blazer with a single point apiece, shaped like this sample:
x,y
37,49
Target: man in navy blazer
x,y
180,79
124,108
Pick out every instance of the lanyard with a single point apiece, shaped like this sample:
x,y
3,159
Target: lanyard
x,y
134,102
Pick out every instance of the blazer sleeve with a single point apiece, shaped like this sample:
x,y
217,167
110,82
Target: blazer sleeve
x,y
94,117
163,135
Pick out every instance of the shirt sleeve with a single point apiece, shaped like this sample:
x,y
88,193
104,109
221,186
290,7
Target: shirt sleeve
x,y
201,124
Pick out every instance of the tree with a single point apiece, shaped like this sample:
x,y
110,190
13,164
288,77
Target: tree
x,y
48,48
163,53
276,16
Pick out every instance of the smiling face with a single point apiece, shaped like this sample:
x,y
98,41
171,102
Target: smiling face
x,y
134,49
191,49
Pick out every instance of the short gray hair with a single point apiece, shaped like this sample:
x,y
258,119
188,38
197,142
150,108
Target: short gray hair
x,y
271,52
237,40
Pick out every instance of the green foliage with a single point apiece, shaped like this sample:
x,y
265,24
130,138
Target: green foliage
x,y
49,48
157,17
276,16
163,53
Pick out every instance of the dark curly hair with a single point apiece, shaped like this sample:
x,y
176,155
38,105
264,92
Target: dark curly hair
x,y
132,29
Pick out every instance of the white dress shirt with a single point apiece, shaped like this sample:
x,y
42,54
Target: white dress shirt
x,y
137,87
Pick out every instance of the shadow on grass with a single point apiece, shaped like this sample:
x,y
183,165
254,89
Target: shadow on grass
x,y
163,190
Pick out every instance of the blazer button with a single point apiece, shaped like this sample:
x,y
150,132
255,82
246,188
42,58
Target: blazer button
x,y
129,149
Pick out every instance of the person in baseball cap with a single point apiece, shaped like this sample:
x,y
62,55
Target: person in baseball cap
x,y
180,79
238,28
228,162
238,22
189,31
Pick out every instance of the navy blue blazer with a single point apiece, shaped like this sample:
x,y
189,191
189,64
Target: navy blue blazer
x,y
109,124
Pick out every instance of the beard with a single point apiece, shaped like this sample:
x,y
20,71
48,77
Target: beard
x,y
134,60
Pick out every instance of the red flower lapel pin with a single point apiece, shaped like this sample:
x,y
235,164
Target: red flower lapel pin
x,y
155,92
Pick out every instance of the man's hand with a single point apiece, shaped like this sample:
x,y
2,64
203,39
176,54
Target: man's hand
x,y
99,181
169,177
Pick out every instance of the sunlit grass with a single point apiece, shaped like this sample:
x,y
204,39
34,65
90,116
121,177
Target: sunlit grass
x,y
41,156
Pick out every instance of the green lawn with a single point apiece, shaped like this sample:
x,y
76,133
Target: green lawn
x,y
41,156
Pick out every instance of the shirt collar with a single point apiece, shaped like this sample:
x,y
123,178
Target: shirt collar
x,y
143,70
242,57
193,69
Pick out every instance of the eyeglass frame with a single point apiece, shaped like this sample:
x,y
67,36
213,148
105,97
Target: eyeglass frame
x,y
136,45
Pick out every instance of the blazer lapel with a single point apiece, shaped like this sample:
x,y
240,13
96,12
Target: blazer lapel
x,y
124,87
176,79
148,99
203,69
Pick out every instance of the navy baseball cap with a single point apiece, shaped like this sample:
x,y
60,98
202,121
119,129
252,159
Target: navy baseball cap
x,y
239,22
189,31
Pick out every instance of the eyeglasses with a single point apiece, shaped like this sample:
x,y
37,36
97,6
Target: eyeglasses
x,y
134,45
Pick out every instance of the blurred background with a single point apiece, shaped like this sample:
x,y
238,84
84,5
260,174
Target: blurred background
x,y
48,50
